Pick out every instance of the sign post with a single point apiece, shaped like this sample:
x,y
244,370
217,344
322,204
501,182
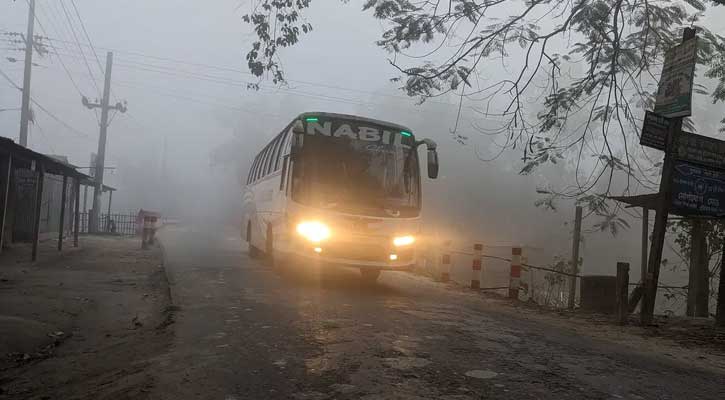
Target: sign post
x,y
674,100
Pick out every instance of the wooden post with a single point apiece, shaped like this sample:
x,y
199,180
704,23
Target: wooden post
x,y
515,273
622,293
697,240
658,234
6,170
61,224
720,313
645,242
660,228
692,279
36,216
77,214
702,298
575,256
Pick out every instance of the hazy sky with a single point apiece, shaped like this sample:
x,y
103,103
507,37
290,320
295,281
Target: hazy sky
x,y
180,66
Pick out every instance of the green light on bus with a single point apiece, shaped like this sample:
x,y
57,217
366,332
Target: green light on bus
x,y
312,119
404,133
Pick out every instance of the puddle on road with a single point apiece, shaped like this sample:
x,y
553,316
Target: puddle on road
x,y
481,374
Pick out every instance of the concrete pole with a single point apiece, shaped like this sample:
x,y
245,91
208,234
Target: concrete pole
x,y
101,158
25,108
575,256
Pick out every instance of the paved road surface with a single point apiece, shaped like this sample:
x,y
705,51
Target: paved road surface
x,y
244,331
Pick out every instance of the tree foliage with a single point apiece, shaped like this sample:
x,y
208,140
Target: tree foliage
x,y
579,72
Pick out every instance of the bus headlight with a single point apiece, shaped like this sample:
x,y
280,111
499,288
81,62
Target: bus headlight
x,y
403,241
314,231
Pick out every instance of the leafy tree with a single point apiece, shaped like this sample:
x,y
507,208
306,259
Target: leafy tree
x,y
580,72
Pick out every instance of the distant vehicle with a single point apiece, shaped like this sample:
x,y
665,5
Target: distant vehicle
x,y
339,189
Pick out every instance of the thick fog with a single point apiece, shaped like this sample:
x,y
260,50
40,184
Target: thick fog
x,y
192,126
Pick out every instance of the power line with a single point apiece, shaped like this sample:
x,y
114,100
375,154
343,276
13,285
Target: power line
x,y
60,121
53,20
10,80
241,84
65,67
42,133
199,101
45,110
88,37
80,48
240,71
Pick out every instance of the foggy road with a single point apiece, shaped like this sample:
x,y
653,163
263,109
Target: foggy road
x,y
244,331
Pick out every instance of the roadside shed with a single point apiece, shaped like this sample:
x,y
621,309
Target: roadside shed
x,y
23,174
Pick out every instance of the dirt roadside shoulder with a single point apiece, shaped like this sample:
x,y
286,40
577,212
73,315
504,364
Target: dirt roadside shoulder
x,y
691,342
85,323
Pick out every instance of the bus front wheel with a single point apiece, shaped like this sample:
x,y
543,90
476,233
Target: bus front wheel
x,y
370,275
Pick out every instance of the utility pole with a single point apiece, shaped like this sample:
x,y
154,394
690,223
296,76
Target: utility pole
x,y
25,110
101,157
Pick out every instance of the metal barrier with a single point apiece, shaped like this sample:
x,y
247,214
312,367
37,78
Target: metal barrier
x,y
119,224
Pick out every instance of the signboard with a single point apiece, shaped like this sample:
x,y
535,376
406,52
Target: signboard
x,y
701,150
697,190
654,131
674,94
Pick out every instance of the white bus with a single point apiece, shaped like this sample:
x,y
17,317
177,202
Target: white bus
x,y
340,190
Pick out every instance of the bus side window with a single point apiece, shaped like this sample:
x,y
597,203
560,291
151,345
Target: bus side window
x,y
278,151
263,163
268,160
273,155
284,173
250,177
284,142
252,169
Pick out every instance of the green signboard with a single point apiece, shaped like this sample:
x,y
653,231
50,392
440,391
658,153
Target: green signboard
x,y
674,93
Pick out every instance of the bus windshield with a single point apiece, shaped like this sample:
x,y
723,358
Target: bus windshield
x,y
358,176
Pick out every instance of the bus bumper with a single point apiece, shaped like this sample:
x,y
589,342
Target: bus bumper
x,y
389,260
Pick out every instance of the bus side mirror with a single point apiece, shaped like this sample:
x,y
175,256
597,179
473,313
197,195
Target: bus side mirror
x,y
432,163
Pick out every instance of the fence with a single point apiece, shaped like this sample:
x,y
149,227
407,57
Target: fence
x,y
547,286
543,285
119,224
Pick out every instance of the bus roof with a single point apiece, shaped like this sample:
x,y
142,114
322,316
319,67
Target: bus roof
x,y
354,118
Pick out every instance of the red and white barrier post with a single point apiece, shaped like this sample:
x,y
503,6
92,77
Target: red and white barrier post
x,y
446,262
476,266
515,274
